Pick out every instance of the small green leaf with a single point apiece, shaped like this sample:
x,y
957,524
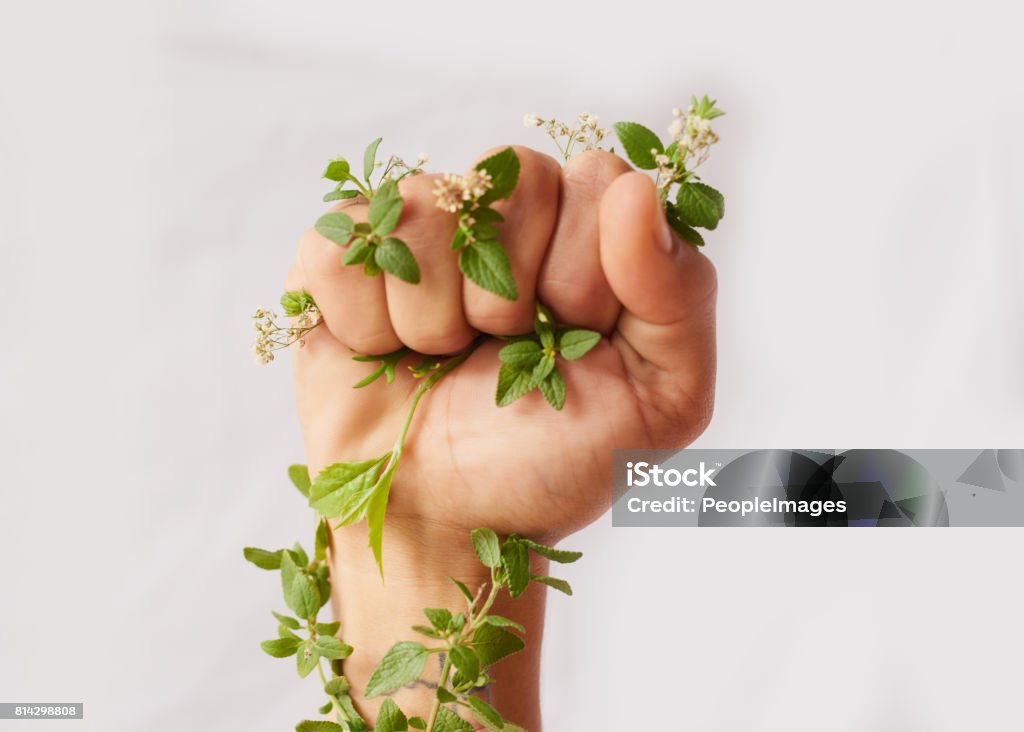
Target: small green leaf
x,y
294,303
554,390
328,628
417,722
325,708
700,205
285,620
493,644
487,548
516,560
375,519
385,208
522,355
444,696
262,558
503,167
485,713
486,263
500,622
280,647
638,142
561,556
449,721
330,647
318,725
465,660
300,591
543,368
337,685
299,555
559,584
487,215
339,194
394,257
440,618
369,158
576,343
284,632
388,362
401,665
337,170
320,541
336,226
299,476
463,589
344,490
306,659
390,718
357,253
427,631
512,384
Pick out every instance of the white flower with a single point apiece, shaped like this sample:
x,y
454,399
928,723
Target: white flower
x,y
532,120
422,158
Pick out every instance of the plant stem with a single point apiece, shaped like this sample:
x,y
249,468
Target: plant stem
x,y
442,683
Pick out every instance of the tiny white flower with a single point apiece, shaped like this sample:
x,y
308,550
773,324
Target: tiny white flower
x,y
532,120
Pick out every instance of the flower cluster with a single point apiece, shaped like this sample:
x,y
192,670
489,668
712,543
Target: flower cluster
x,y
584,133
272,337
452,191
692,129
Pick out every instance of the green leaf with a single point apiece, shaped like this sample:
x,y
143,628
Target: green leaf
x,y
485,713
339,194
516,560
487,548
700,205
357,253
417,722
512,384
394,257
486,263
561,556
337,170
262,558
444,696
449,721
284,632
559,584
401,665
390,718
427,631
320,541
522,355
576,343
388,362
369,158
493,644
465,660
638,142
486,215
330,647
375,519
299,555
385,208
306,659
295,302
285,620
318,725
300,591
325,708
323,584
336,226
299,476
280,647
440,618
553,388
344,490
499,622
328,628
337,685
543,369
503,167
463,589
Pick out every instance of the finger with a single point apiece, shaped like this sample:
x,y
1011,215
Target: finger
x,y
428,316
572,282
530,215
353,305
667,290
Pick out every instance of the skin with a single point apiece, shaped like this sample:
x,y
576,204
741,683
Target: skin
x,y
590,241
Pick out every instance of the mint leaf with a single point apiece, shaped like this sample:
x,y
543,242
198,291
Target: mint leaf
x,y
394,257
320,541
449,721
336,226
417,722
390,718
337,685
499,622
638,142
385,208
543,368
357,253
299,555
300,591
328,628
339,194
262,558
344,490
388,362
306,659
493,644
401,665
295,302
553,389
485,713
444,696
463,589
299,476
465,660
286,621
280,647
503,167
440,618
318,725
337,170
700,205
486,263
369,158
561,556
330,647
375,518
512,384
485,544
516,560
522,355
576,343
559,584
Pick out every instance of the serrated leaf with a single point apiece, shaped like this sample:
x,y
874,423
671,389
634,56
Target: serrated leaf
x,y
554,390
339,194
554,582
394,257
449,721
493,644
503,167
357,253
543,369
295,302
300,591
501,622
485,713
562,556
299,476
486,263
369,158
343,490
516,560
576,343
336,226
439,617
280,647
337,685
262,558
512,384
487,548
318,725
390,718
306,659
330,647
700,205
402,664
465,660
521,354
385,208
638,142
285,620
463,589
337,170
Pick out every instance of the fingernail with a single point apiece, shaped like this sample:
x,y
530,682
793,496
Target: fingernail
x,y
662,234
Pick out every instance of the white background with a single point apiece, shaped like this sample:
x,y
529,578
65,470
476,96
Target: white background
x,y
159,160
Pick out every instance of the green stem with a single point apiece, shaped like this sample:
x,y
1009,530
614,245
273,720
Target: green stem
x,y
323,682
442,683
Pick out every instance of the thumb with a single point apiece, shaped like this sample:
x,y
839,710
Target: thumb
x,y
667,289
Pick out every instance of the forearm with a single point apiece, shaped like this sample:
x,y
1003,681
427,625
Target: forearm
x,y
375,615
